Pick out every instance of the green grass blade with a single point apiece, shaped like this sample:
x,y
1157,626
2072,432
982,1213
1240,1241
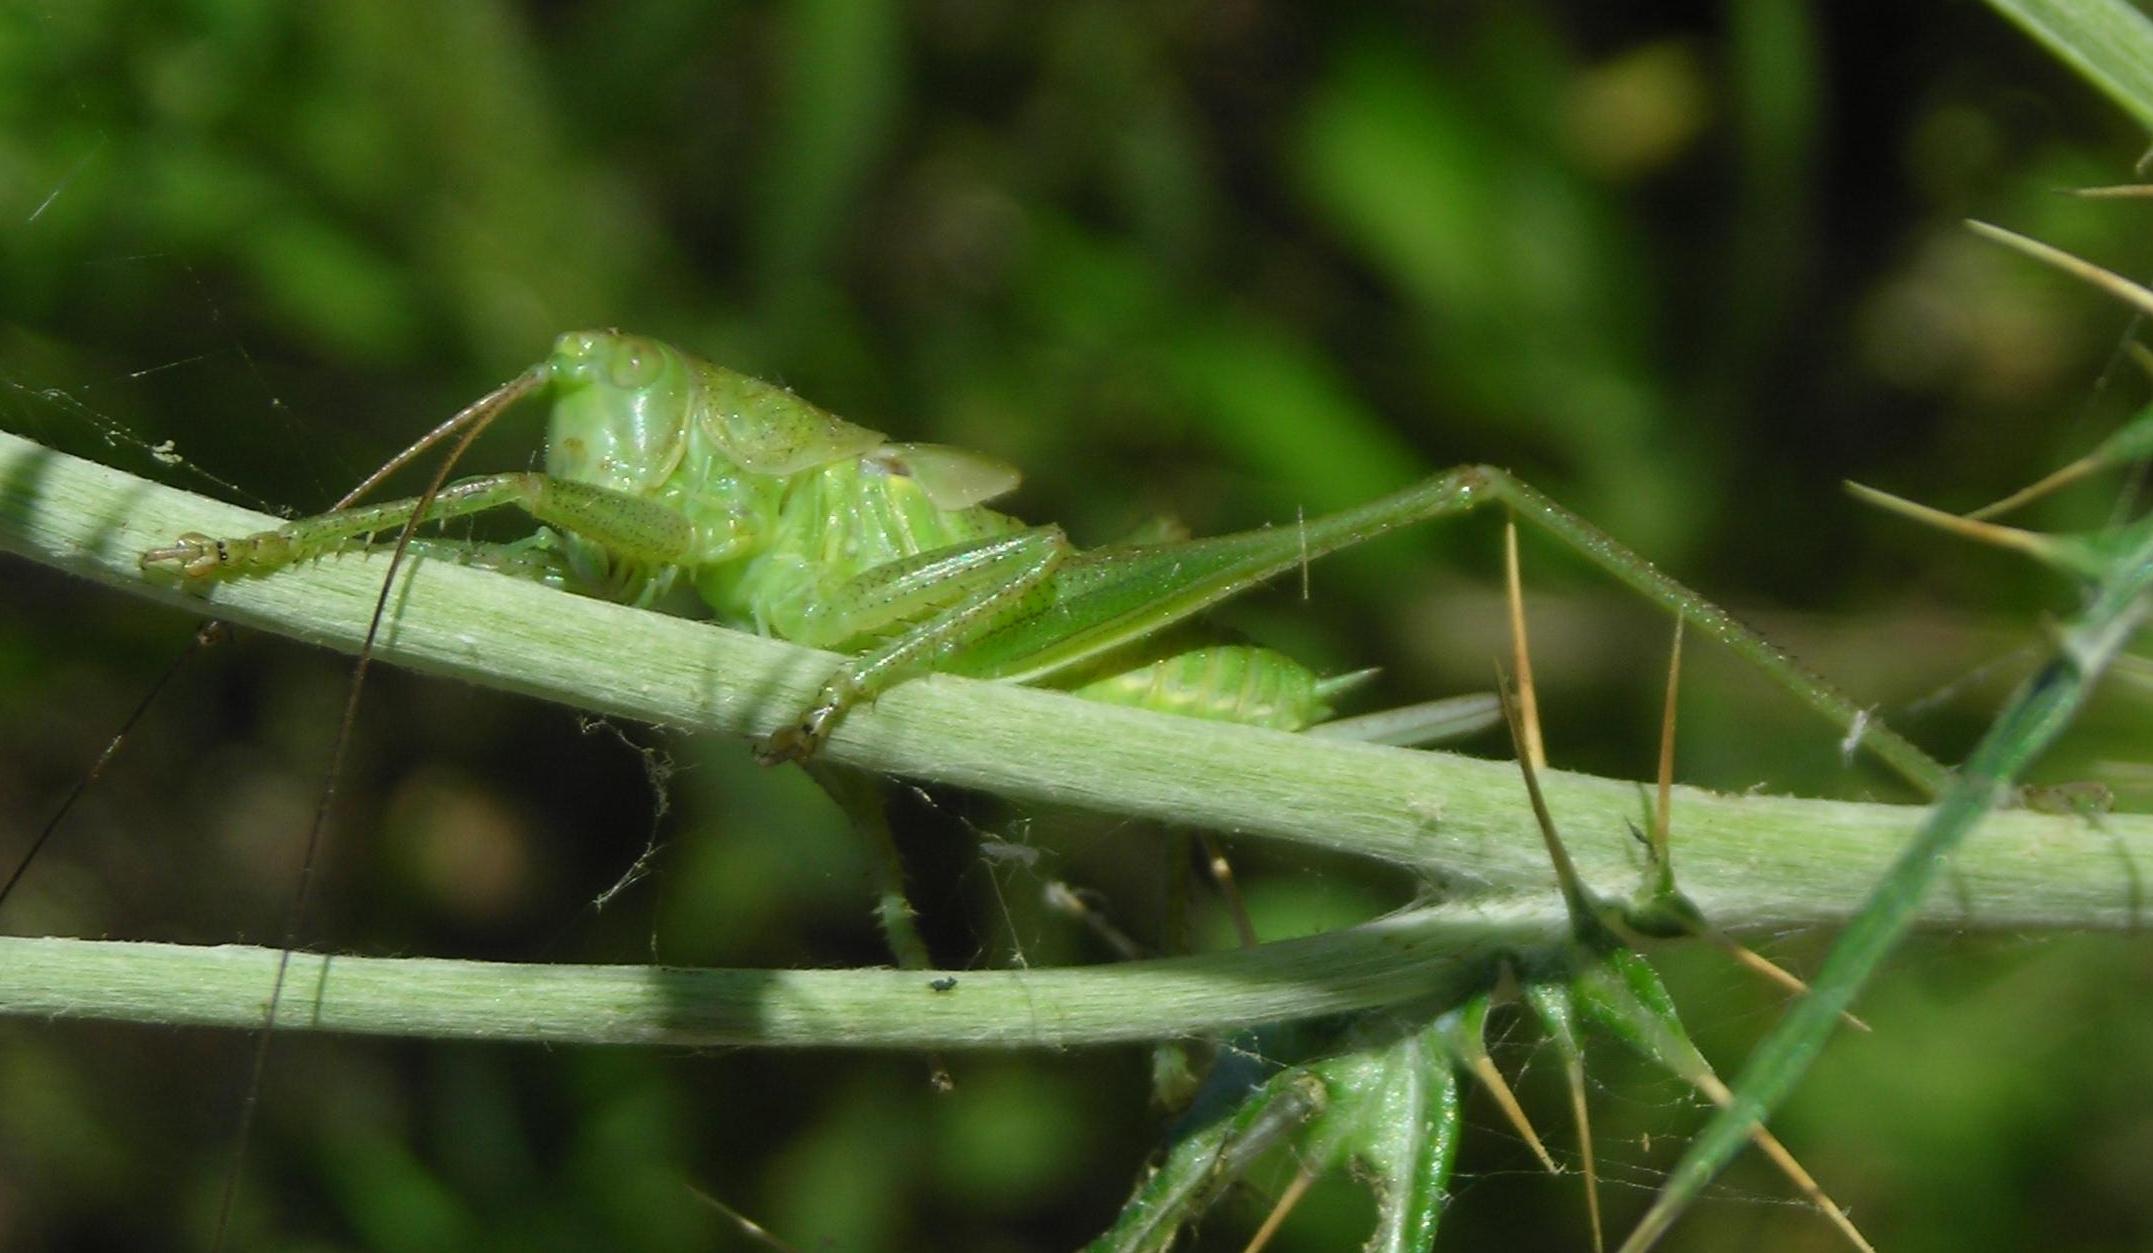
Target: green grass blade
x,y
2036,715
2108,42
1211,1158
1413,1151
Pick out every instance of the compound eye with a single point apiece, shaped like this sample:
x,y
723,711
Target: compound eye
x,y
636,363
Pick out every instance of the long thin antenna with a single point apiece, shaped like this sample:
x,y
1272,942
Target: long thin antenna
x,y
209,633
213,630
477,416
483,410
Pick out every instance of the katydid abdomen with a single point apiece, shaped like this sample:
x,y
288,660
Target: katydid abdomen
x,y
844,520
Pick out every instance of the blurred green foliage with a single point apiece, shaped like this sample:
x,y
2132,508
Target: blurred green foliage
x,y
1685,269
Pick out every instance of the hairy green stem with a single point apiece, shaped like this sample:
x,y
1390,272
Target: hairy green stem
x,y
1746,860
1406,957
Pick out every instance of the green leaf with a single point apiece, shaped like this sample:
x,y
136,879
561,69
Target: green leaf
x,y
2108,42
1410,1150
1210,1157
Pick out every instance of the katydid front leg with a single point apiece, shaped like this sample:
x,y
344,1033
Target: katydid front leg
x,y
627,527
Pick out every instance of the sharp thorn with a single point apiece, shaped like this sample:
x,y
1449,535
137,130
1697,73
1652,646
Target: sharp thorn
x,y
2107,280
1566,876
1287,1200
1753,960
1574,1074
2122,191
1530,744
1663,813
1483,1068
1803,1181
2027,542
2032,492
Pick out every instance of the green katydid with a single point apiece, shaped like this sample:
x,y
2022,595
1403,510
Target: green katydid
x,y
662,469
799,524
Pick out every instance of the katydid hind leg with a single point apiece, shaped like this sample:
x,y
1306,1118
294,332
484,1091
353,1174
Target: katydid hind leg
x,y
1106,598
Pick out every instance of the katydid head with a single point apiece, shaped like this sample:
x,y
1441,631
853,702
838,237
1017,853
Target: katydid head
x,y
620,406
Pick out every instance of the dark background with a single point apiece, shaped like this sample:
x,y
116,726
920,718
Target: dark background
x,y
1684,267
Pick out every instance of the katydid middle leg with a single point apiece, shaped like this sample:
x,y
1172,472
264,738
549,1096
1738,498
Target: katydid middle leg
x,y
952,596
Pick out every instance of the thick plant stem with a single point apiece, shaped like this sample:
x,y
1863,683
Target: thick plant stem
x,y
1748,861
1407,957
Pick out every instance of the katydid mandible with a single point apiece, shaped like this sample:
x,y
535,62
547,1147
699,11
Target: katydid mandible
x,y
795,523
